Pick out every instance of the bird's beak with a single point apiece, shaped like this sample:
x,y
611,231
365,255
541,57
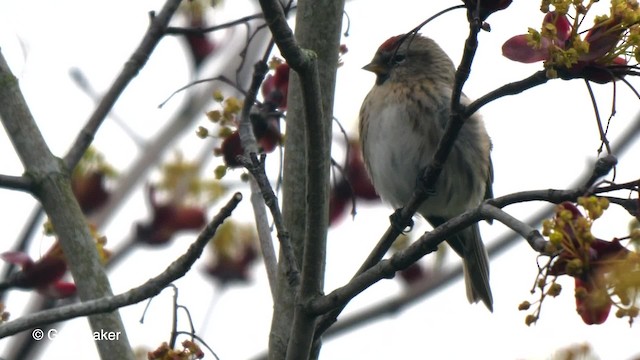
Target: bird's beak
x,y
374,68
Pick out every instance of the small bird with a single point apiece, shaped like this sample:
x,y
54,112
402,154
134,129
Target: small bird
x,y
402,119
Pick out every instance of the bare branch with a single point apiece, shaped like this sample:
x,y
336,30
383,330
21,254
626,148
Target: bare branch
x,y
20,183
429,241
201,81
23,242
386,269
131,68
513,88
596,112
183,119
317,108
151,288
533,236
256,168
52,188
260,181
189,31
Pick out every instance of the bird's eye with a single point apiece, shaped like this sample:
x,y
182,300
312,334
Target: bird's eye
x,y
398,59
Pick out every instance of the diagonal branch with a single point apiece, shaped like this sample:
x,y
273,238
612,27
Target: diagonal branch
x,y
52,187
490,209
131,68
151,288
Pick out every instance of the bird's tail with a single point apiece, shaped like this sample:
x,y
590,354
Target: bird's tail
x,y
468,244
476,265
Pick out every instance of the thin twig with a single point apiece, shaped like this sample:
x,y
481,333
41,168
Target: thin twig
x,y
221,78
513,88
601,131
259,176
20,183
83,83
198,31
533,236
23,242
256,168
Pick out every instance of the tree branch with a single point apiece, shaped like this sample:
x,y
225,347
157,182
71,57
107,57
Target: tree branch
x,y
131,68
20,183
189,111
386,269
533,236
402,218
190,31
315,81
52,187
151,288
513,88
304,62
260,184
429,241
265,191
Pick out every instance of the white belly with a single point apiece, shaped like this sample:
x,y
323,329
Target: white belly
x,y
397,152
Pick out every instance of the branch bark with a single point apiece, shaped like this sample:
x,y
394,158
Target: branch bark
x,y
15,183
313,55
52,187
151,288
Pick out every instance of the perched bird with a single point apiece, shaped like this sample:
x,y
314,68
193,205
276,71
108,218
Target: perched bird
x,y
402,119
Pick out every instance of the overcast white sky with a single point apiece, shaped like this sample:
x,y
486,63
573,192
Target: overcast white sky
x,y
542,139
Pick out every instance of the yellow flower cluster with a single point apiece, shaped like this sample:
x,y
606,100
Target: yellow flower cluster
x,y
93,161
595,206
574,235
618,30
183,183
231,107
